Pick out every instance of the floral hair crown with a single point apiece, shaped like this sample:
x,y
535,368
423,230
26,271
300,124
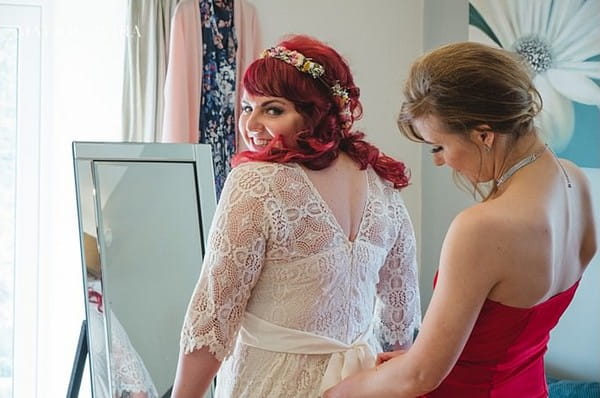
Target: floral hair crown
x,y
308,66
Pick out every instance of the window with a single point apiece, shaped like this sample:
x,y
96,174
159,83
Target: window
x,y
8,116
19,195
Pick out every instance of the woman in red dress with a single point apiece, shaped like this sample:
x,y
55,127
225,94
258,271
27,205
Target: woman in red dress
x,y
509,265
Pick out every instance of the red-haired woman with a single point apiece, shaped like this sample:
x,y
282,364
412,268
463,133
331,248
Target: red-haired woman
x,y
310,267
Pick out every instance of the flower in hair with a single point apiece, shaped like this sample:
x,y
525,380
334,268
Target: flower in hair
x,y
338,91
294,58
316,71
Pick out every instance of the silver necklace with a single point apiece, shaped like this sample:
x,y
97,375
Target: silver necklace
x,y
518,166
561,167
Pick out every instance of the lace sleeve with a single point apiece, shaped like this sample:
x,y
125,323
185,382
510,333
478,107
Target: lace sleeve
x,y
129,374
398,309
231,266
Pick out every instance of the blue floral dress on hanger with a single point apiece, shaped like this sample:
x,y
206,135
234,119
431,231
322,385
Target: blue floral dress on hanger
x,y
217,119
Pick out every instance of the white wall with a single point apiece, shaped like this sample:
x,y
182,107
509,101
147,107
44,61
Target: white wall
x,y
443,22
574,349
379,39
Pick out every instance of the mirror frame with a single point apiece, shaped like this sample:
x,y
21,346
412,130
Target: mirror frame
x,y
85,156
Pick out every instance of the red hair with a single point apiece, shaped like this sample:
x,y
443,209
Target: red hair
x,y
328,130
95,298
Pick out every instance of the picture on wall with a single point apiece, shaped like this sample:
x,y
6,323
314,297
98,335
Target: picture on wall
x,y
560,39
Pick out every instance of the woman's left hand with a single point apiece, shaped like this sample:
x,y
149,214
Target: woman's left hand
x,y
386,356
355,386
333,392
340,390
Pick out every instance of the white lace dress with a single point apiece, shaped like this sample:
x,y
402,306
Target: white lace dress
x,y
276,251
128,372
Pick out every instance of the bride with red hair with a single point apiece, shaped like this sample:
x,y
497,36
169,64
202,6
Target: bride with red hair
x,y
311,266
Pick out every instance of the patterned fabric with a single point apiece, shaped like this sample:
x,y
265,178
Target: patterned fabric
x,y
276,251
128,372
217,120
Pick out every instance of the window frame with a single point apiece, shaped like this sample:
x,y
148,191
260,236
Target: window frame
x,y
27,20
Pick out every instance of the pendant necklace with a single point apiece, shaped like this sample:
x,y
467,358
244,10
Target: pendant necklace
x,y
518,166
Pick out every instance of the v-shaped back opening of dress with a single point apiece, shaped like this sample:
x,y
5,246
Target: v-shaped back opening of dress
x,y
354,231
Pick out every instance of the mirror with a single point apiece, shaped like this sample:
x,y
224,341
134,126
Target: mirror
x,y
144,214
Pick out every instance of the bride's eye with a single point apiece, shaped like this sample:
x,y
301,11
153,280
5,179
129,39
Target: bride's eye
x,y
274,111
436,149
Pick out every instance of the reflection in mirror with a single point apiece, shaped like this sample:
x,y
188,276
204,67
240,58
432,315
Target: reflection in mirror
x,y
143,211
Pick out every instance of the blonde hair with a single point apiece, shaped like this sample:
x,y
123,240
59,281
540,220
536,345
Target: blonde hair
x,y
466,85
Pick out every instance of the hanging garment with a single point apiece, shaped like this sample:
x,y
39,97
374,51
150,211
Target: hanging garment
x,y
184,70
145,68
217,119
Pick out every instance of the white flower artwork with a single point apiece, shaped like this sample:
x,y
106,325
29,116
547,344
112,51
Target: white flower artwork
x,y
561,41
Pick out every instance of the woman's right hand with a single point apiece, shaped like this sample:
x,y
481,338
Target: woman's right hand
x,y
386,356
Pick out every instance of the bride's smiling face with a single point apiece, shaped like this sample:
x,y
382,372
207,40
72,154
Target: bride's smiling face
x,y
263,118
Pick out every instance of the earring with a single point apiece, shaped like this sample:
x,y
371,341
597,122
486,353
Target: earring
x,y
487,148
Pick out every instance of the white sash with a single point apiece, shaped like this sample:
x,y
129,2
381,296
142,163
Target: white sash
x,y
346,359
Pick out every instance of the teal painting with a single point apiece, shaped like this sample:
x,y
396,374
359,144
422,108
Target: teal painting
x,y
560,39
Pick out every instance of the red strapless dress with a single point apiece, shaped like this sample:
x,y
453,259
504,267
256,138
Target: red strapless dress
x,y
504,356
